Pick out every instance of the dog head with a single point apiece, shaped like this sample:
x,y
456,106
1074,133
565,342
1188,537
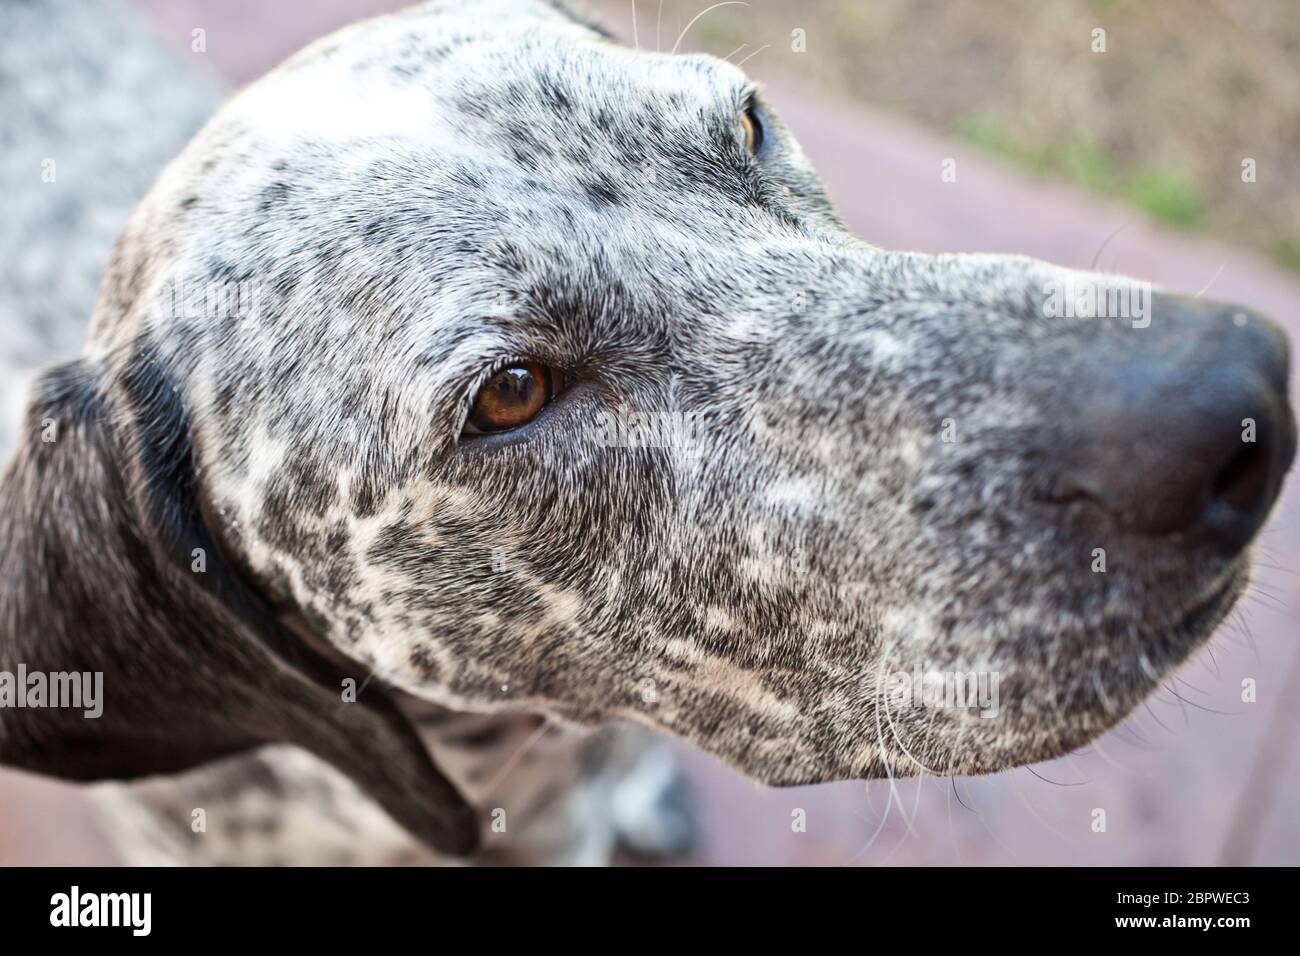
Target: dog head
x,y
531,372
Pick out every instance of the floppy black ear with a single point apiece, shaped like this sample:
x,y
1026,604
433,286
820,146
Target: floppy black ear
x,y
100,523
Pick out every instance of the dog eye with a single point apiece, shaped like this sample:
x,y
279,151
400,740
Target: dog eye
x,y
511,398
751,125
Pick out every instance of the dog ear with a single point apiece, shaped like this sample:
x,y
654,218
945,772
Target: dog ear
x,y
109,569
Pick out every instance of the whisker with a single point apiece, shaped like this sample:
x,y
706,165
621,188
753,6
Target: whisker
x,y
1182,706
1138,741
1250,635
724,3
957,793
1073,760
1056,783
1106,242
889,771
1209,652
889,774
1267,588
513,761
952,830
1190,686
1229,629
1208,710
1165,726
879,827
893,729
1267,601
1213,279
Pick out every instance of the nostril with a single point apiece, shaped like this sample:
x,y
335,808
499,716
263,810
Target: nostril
x,y
1188,433
1244,481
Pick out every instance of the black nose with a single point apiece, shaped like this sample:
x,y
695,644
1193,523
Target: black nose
x,y
1182,426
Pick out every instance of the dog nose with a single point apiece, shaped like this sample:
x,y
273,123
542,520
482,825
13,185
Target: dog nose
x,y
1184,427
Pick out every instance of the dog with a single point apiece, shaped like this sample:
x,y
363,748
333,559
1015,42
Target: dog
x,y
474,361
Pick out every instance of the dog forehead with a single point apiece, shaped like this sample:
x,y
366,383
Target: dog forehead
x,y
454,130
439,160
454,80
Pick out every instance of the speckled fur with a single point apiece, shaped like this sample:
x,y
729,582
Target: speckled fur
x,y
549,797
92,89
424,197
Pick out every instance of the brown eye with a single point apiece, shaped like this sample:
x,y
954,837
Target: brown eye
x,y
511,398
752,128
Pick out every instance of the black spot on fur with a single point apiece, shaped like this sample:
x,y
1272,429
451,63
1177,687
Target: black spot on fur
x,y
603,191
273,195
423,661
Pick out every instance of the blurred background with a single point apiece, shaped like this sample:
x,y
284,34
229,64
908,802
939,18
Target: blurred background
x,y
1157,140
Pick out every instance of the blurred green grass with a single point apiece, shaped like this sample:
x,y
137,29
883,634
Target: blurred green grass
x,y
1168,195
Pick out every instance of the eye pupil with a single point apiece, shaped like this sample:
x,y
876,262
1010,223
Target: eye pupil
x,y
510,398
513,384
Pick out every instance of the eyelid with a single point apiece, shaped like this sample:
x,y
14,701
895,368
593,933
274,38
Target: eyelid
x,y
751,107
